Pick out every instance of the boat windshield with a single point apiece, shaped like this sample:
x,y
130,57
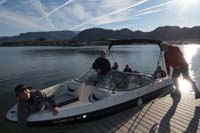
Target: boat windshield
x,y
90,74
115,80
133,81
111,80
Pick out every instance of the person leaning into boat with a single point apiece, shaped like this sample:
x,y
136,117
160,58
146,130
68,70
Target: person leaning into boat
x,y
101,64
30,101
174,58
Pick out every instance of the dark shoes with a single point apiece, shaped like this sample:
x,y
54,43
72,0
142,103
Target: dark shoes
x,y
196,91
176,92
197,95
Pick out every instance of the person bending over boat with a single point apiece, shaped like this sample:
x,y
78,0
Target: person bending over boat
x,y
174,58
30,101
101,64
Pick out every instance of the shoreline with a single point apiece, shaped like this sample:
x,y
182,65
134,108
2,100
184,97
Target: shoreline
x,y
67,43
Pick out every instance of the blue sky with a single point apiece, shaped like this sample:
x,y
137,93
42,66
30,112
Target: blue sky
x,y
18,16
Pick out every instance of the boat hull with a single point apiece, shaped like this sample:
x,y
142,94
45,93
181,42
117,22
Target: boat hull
x,y
98,114
88,102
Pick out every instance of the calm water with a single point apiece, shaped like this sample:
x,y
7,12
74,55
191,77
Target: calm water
x,y
41,67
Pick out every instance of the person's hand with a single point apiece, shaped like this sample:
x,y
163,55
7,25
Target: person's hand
x,y
55,110
98,70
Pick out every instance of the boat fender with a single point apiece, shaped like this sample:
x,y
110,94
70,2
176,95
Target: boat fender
x,y
139,102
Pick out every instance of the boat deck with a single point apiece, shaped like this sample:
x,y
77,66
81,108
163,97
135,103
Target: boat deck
x,y
167,114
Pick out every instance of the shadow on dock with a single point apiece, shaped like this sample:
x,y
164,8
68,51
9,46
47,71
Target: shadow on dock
x,y
168,114
165,122
193,125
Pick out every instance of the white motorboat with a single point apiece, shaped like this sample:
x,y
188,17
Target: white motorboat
x,y
89,97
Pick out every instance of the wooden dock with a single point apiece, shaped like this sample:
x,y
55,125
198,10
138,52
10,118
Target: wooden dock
x,y
174,114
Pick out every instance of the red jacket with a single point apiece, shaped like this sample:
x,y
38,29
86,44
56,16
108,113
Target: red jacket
x,y
174,58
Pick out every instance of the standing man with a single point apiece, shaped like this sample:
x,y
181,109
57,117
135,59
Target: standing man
x,y
101,64
174,58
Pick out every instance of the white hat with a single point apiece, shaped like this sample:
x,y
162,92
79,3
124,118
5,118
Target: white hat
x,y
163,44
103,51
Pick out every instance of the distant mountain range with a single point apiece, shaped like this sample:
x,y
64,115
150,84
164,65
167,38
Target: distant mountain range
x,y
166,33
49,35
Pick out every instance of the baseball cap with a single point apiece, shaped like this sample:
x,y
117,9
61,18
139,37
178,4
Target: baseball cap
x,y
163,43
20,88
103,51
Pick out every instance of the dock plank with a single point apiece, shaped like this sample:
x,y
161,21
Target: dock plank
x,y
168,114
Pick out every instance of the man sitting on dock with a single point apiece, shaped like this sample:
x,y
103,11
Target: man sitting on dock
x,y
31,101
174,58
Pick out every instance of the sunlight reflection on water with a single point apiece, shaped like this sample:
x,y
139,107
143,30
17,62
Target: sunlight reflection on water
x,y
189,51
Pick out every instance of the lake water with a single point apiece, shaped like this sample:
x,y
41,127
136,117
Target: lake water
x,y
41,67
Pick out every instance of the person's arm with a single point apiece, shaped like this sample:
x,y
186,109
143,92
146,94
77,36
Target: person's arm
x,y
51,101
22,114
94,65
167,65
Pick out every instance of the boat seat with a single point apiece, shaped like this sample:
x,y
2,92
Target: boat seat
x,y
99,94
64,99
73,86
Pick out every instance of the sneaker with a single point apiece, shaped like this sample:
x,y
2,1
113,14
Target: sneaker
x,y
176,92
197,95
196,91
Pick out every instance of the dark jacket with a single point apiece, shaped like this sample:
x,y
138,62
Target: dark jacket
x,y
127,70
114,68
37,101
102,64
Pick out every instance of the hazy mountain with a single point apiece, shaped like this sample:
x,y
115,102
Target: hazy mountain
x,y
51,35
98,34
175,33
166,33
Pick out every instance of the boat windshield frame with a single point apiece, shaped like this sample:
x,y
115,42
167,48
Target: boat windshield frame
x,y
115,80
84,76
138,80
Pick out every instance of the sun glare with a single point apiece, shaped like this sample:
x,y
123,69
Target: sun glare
x,y
186,3
184,85
189,52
